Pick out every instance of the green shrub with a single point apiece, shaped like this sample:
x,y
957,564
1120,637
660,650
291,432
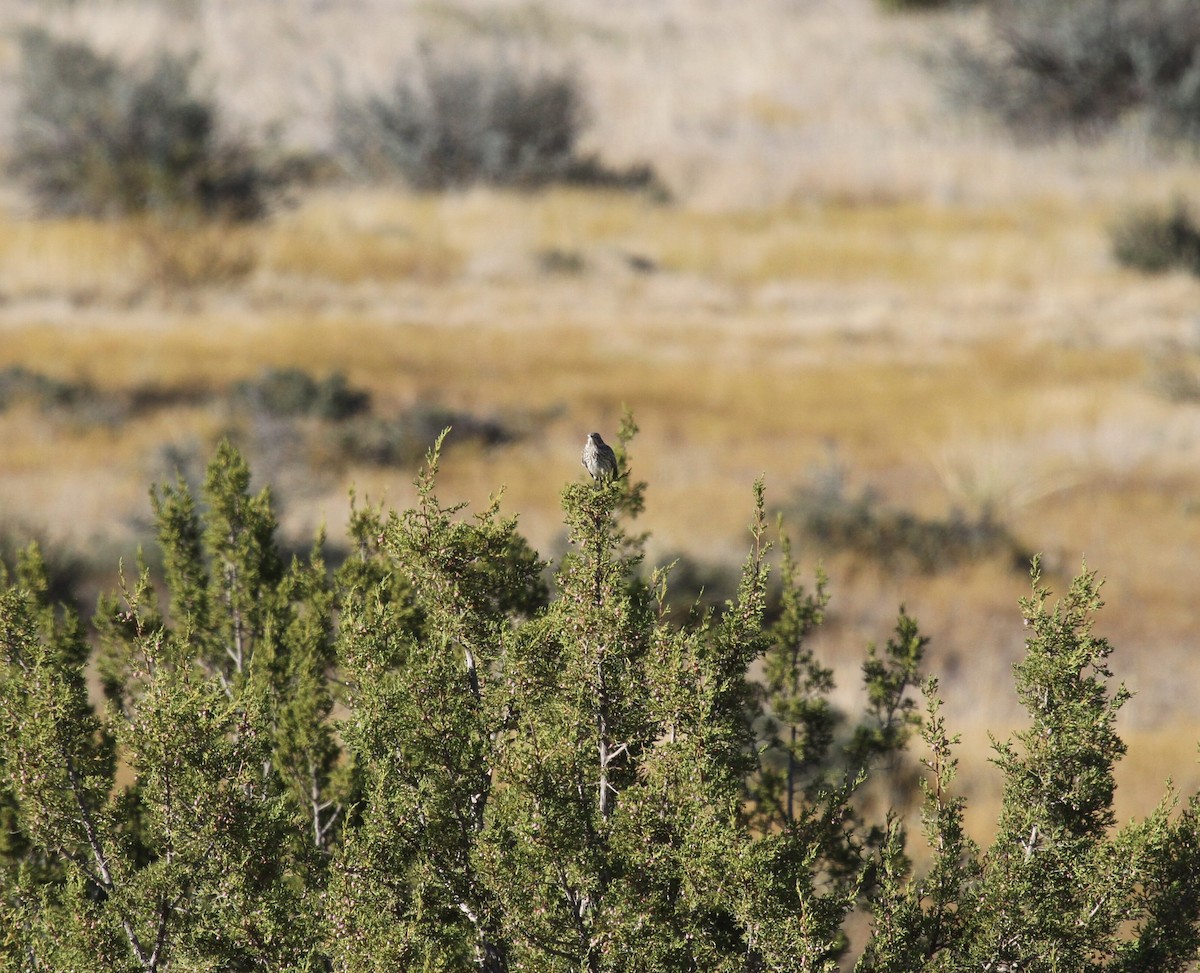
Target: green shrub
x,y
1157,241
20,384
1080,66
429,760
349,430
93,137
292,392
402,439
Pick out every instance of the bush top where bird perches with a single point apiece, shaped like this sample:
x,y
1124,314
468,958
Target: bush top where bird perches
x,y
432,757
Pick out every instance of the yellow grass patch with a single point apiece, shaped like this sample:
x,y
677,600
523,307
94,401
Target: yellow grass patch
x,y
354,237
79,260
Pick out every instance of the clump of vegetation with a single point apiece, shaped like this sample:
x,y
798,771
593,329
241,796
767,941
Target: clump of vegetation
x,y
834,520
82,402
449,125
456,124
430,759
294,392
1175,381
20,384
58,575
349,429
918,6
403,439
334,419
95,137
1155,241
1173,372
698,586
1081,66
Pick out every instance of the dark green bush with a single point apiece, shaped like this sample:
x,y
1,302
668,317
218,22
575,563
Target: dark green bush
x,y
430,759
1081,66
20,384
402,439
1156,241
293,392
94,137
350,431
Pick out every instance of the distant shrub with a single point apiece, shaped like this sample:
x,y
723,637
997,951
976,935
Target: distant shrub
x,y
922,5
1080,66
1175,381
641,176
447,125
292,392
832,519
1157,241
82,403
453,125
556,260
94,137
20,384
404,439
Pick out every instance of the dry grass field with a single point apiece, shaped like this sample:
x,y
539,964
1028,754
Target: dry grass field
x,y
850,280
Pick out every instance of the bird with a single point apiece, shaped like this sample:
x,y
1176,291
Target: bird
x,y
598,458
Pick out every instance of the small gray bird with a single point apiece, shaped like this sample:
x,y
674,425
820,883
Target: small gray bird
x,y
598,458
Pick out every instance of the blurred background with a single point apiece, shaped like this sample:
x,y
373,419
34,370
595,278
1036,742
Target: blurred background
x,y
929,267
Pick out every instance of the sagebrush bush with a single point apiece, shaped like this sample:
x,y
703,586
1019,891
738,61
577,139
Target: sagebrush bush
x,y
1081,66
20,384
97,138
294,392
455,124
401,439
1157,240
833,519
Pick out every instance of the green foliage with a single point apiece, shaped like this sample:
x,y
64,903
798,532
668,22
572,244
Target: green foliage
x,y
94,137
1061,887
917,924
1155,242
1057,888
293,392
433,757
182,862
797,731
